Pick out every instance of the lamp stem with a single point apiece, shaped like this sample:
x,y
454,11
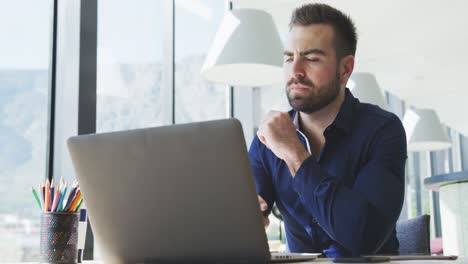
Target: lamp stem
x,y
229,88
229,101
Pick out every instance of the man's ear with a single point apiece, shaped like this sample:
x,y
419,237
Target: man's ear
x,y
346,69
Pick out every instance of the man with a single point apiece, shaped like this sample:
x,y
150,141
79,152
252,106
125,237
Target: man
x,y
333,166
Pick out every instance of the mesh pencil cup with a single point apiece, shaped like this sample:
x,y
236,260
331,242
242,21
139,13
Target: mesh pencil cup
x,y
59,237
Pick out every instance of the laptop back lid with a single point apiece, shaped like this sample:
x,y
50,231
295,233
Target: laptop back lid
x,y
181,192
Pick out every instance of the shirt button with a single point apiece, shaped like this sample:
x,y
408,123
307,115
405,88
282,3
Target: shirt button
x,y
297,193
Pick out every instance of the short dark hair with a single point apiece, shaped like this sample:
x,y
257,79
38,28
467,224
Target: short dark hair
x,y
345,32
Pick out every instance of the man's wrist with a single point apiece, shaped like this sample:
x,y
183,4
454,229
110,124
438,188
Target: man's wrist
x,y
295,160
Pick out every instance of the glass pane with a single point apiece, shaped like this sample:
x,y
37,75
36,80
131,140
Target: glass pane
x,y
441,162
129,72
464,152
24,65
414,189
425,172
269,98
196,24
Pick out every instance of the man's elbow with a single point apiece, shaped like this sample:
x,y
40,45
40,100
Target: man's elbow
x,y
376,236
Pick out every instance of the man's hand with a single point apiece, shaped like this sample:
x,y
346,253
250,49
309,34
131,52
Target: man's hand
x,y
278,133
264,208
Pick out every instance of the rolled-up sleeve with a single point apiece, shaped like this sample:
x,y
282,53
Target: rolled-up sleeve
x,y
360,218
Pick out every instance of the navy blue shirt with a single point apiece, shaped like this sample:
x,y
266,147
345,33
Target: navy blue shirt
x,y
346,201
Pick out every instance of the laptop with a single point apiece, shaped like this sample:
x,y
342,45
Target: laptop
x,y
180,193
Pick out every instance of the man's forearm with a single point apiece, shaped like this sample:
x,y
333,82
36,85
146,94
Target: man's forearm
x,y
347,214
295,160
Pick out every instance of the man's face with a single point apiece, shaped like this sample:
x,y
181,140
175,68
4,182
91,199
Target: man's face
x,y
310,68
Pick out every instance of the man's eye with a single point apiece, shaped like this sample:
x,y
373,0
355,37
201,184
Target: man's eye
x,y
313,59
289,59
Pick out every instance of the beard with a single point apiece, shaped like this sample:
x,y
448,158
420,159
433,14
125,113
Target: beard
x,y
318,97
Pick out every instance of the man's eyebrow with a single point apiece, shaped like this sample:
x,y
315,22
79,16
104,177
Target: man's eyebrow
x,y
312,51
304,53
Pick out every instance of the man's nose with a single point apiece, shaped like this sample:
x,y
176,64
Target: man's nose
x,y
297,69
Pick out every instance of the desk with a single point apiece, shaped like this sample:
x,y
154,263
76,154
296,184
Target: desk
x,y
329,261
458,261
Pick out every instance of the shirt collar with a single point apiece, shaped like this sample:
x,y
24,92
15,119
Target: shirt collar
x,y
296,119
344,117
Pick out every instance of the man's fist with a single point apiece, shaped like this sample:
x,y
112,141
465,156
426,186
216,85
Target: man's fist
x,y
278,133
264,208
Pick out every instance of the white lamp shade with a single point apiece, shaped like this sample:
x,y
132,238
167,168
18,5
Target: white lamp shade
x,y
247,50
424,131
364,86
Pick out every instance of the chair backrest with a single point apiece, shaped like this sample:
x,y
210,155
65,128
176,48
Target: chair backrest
x,y
414,235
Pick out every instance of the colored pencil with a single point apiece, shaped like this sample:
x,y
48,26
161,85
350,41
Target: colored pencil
x,y
52,197
47,196
78,207
62,196
52,188
43,193
70,199
56,199
36,197
74,200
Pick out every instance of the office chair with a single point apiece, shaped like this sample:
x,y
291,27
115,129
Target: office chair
x,y
414,235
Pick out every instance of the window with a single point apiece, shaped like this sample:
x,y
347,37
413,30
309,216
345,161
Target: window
x,y
464,152
441,163
269,98
418,169
130,90
196,23
24,81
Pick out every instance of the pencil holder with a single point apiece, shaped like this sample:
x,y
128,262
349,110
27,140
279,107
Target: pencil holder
x,y
59,237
